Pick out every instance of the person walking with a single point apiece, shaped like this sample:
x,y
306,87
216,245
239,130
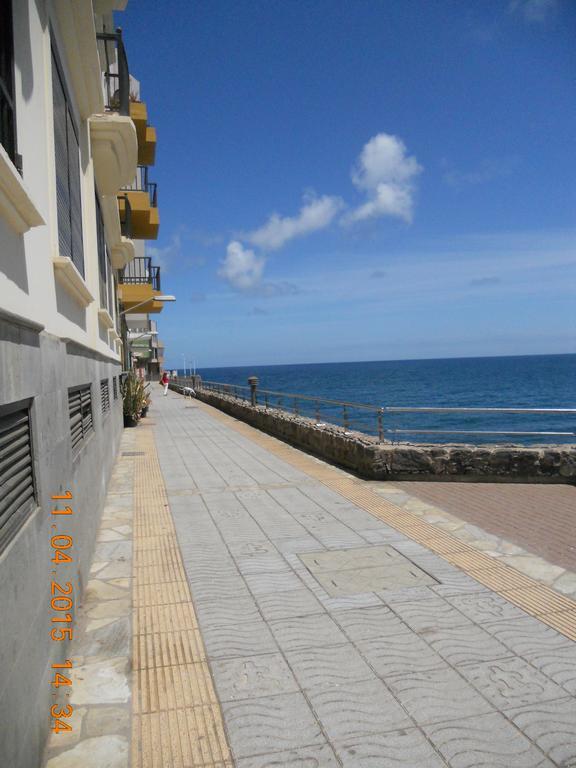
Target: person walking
x,y
165,381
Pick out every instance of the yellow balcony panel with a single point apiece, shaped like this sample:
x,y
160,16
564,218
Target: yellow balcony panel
x,y
144,218
147,150
139,115
136,293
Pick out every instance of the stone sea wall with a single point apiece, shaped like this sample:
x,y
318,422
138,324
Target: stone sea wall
x,y
404,461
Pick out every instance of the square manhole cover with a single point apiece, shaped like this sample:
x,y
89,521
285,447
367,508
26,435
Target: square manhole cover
x,y
370,569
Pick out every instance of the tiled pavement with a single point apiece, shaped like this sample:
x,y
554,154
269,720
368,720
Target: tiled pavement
x,y
242,657
444,674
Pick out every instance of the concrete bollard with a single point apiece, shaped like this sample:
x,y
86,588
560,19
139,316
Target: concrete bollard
x,y
253,381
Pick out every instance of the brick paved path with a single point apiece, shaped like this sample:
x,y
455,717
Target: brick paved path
x,y
540,518
311,672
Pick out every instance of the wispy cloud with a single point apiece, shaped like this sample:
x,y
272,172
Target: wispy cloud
x,y
197,297
315,214
483,282
534,11
387,175
241,267
488,170
175,252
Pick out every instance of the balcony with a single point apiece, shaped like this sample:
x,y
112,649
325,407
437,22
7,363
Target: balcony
x,y
138,207
113,134
146,133
139,283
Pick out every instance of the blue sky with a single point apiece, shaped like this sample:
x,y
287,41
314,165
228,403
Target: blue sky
x,y
361,180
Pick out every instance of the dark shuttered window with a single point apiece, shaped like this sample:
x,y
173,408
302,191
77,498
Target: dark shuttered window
x,y
17,496
115,387
67,156
104,266
80,411
105,395
7,112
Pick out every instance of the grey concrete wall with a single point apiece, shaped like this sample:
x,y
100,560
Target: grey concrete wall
x,y
36,366
365,456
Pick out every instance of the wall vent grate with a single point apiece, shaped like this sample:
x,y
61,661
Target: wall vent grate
x,y
17,493
105,395
80,411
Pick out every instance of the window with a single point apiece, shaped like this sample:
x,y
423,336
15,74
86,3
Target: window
x,y
7,113
80,411
115,387
105,395
104,266
67,156
17,494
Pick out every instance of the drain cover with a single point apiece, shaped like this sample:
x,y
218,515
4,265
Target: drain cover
x,y
133,453
370,569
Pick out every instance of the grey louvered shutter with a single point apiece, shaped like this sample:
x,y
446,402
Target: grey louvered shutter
x,y
16,470
105,395
75,413
87,423
61,158
75,195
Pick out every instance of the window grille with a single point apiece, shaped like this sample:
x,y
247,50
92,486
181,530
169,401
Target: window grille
x,y
80,411
68,183
17,494
7,111
115,387
105,395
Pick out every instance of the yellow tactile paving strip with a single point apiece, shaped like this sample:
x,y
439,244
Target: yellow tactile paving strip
x,y
532,597
176,718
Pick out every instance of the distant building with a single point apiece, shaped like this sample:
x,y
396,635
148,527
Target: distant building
x,y
76,205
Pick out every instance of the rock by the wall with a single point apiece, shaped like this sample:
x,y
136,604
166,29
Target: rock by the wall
x,y
364,455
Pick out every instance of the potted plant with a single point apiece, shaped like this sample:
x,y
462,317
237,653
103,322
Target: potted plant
x,y
147,400
133,399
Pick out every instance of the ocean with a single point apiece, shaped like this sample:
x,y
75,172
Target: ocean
x,y
536,381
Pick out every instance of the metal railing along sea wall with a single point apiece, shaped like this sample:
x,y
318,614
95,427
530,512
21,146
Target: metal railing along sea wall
x,y
397,424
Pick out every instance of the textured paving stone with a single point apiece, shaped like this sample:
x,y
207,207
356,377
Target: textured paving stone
x,y
403,749
307,757
262,564
552,726
364,600
485,607
559,665
425,615
511,682
229,610
399,654
352,710
269,724
252,677
316,669
367,623
436,697
527,636
465,645
317,630
238,640
263,583
487,741
285,605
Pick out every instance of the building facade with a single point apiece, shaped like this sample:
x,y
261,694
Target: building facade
x,y
76,204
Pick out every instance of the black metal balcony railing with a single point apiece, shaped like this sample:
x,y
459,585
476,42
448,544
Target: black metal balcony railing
x,y
116,74
126,218
140,271
141,184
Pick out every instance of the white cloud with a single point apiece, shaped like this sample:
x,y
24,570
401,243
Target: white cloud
x,y
534,10
241,267
316,213
386,173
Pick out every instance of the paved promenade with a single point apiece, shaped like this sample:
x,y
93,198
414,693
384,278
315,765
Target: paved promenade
x,y
286,614
350,654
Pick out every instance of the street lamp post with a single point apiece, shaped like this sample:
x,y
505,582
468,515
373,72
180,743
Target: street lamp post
x,y
185,371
